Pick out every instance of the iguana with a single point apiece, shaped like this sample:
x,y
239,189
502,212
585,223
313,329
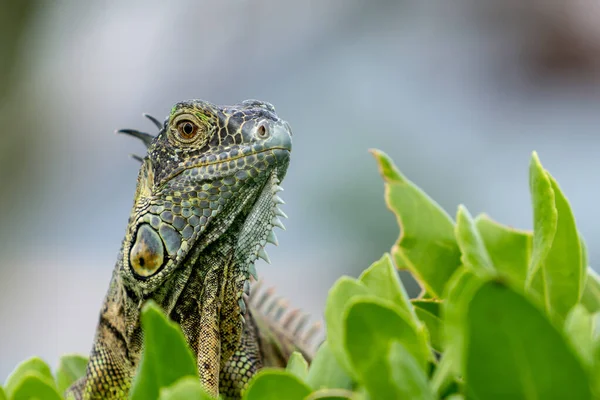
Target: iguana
x,y
206,203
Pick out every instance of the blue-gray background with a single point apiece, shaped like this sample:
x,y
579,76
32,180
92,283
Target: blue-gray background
x,y
458,92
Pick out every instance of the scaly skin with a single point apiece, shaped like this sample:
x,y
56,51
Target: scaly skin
x,y
205,206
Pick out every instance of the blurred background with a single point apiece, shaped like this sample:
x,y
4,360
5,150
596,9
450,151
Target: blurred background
x,y
458,92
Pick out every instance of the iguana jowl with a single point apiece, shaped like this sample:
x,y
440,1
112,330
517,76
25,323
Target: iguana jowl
x,y
204,209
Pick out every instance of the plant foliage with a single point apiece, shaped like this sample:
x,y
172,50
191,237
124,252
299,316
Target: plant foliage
x,y
504,313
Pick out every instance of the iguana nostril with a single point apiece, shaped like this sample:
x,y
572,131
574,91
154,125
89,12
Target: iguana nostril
x,y
147,254
262,131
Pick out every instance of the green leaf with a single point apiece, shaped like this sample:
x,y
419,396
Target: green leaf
x,y
563,267
514,352
428,311
591,292
508,248
584,265
165,357
33,364
2,394
579,329
325,371
556,268
460,290
275,384
187,388
34,385
444,374
432,306
371,325
545,216
297,365
426,246
340,294
409,379
383,280
595,371
474,253
71,367
332,394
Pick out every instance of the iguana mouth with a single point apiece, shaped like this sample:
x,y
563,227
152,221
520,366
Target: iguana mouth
x,y
281,154
242,156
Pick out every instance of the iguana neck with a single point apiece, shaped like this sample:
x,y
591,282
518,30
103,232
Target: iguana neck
x,y
205,294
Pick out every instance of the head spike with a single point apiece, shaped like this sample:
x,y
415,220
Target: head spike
x,y
282,306
301,322
262,298
277,222
137,158
289,318
143,136
268,300
242,305
271,238
252,271
254,288
312,331
154,121
271,306
280,213
263,254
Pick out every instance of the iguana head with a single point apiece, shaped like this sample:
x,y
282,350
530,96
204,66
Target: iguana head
x,y
211,171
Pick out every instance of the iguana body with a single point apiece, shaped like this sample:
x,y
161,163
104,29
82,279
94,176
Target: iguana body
x,y
204,209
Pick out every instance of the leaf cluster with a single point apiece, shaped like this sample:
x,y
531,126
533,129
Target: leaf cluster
x,y
504,313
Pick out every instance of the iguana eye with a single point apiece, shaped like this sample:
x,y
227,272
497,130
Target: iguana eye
x,y
147,254
187,129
